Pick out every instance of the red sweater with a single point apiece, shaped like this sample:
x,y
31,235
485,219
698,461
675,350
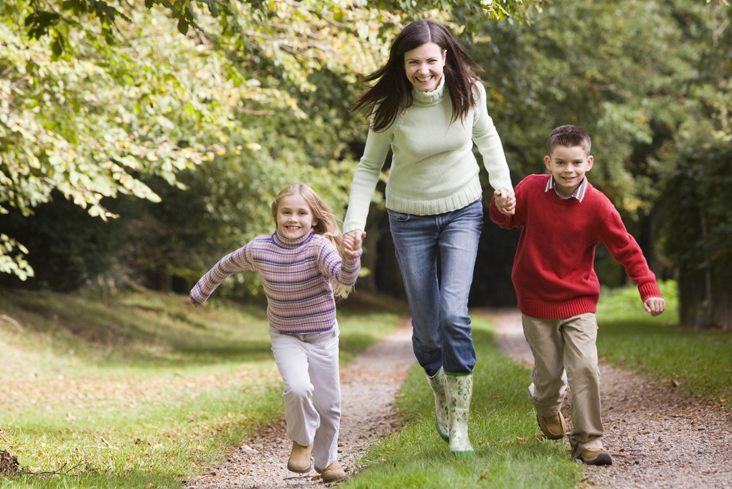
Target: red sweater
x,y
553,272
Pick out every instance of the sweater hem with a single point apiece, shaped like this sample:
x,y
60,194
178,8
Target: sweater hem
x,y
536,308
463,197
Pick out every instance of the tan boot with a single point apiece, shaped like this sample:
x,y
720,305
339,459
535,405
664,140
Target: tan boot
x,y
332,473
553,427
596,456
300,458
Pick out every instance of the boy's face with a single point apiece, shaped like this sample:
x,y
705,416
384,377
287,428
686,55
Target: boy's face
x,y
568,165
294,216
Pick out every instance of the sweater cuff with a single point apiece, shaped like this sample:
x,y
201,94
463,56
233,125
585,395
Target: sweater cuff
x,y
648,290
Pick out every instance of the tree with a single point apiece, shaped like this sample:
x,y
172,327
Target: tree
x,y
99,95
698,190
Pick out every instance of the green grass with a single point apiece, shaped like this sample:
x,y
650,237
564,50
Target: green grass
x,y
700,361
141,391
503,431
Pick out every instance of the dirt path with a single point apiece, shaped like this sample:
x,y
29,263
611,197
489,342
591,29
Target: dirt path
x,y
657,437
368,386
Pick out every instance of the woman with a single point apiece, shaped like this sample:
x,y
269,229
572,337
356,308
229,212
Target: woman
x,y
429,107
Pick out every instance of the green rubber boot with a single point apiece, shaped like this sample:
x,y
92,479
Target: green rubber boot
x,y
459,391
442,418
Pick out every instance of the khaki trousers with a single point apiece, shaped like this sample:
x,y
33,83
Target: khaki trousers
x,y
565,353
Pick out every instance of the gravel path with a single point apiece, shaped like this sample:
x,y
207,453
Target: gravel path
x,y
657,437
368,385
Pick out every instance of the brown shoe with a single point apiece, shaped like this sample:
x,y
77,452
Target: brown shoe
x,y
553,426
596,456
332,473
300,458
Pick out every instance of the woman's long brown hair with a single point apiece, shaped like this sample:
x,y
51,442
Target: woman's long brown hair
x,y
392,93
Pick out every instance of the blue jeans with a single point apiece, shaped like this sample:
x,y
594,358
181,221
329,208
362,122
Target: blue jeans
x,y
439,309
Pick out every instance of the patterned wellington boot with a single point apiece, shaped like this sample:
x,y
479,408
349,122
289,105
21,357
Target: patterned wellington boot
x,y
437,382
459,390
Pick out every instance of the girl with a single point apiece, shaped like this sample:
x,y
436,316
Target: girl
x,y
300,266
429,107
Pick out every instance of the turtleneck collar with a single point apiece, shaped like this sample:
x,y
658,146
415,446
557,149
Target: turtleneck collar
x,y
289,243
430,98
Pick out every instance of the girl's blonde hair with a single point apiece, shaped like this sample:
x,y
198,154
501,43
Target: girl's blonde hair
x,y
327,224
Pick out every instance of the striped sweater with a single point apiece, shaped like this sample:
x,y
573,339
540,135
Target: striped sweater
x,y
296,275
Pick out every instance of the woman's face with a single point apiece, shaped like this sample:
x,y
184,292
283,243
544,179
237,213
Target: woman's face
x,y
424,66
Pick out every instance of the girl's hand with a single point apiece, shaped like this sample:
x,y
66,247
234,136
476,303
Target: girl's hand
x,y
654,305
505,201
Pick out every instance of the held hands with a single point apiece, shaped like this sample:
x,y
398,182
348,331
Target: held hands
x,y
352,243
654,305
505,201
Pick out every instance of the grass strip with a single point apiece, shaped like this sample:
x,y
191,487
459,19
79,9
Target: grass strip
x,y
698,361
142,391
503,431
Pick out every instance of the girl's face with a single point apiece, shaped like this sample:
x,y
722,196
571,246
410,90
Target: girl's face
x,y
294,216
424,66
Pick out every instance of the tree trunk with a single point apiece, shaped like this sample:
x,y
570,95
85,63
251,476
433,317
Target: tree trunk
x,y
694,307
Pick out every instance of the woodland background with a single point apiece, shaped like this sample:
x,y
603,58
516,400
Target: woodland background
x,y
141,143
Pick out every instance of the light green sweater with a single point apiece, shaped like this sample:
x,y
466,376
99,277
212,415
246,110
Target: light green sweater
x,y
433,169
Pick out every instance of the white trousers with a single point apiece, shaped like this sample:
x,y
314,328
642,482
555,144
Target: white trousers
x,y
308,364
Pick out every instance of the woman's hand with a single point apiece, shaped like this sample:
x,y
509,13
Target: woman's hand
x,y
505,201
352,243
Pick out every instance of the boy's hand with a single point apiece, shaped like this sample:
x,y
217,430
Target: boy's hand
x,y
505,201
352,243
194,303
654,305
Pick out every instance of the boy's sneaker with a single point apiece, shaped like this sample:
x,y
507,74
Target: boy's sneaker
x,y
553,426
332,473
596,456
300,458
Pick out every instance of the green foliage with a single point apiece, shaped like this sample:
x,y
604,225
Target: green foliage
x,y
143,389
503,432
698,360
594,65
97,96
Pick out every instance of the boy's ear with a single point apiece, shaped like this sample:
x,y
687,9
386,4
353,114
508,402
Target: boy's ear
x,y
547,161
590,161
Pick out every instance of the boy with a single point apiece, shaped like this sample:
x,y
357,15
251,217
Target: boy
x,y
563,218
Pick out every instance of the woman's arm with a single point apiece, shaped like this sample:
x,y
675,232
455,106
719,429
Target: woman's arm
x,y
366,178
489,145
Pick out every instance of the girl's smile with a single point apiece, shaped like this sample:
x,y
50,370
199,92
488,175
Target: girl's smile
x,y
294,217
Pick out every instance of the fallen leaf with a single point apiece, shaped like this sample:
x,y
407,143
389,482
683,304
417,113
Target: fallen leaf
x,y
520,440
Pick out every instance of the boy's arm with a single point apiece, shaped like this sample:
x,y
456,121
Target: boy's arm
x,y
233,262
624,248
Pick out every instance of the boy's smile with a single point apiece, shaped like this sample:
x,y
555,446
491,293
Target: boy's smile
x,y
568,165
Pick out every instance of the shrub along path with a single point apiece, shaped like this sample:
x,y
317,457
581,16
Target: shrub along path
x,y
369,384
657,437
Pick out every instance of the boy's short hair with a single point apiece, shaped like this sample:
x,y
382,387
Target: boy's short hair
x,y
569,136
